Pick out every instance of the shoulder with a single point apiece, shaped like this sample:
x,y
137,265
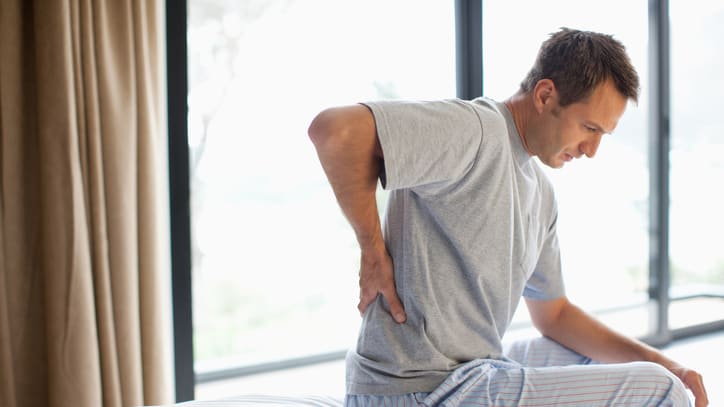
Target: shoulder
x,y
490,113
495,128
438,121
442,109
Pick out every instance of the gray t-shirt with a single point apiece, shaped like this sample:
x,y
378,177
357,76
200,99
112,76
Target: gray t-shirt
x,y
470,225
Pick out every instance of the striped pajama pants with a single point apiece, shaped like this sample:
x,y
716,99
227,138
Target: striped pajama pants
x,y
542,373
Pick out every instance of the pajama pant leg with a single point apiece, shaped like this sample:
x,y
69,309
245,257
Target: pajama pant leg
x,y
542,373
402,400
543,352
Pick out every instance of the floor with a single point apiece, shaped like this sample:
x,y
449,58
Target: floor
x,y
702,353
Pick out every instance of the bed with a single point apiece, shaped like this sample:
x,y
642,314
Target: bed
x,y
264,400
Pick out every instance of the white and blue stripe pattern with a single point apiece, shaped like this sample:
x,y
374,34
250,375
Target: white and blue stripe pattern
x,y
541,373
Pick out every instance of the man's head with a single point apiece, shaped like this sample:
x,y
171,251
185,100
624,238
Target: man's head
x,y
578,61
576,91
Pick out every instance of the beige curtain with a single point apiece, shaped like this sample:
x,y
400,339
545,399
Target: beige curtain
x,y
84,302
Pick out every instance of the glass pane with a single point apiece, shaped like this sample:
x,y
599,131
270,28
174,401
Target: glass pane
x,y
697,169
274,261
603,209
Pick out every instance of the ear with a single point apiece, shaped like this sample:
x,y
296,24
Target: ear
x,y
545,94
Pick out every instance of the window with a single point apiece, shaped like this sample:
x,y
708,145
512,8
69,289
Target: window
x,y
274,272
274,261
697,170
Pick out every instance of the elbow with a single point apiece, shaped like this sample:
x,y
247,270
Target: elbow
x,y
544,328
344,130
548,316
323,128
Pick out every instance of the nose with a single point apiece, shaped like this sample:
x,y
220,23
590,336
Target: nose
x,y
590,146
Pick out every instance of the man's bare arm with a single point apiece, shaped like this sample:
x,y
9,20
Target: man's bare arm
x,y
572,327
351,156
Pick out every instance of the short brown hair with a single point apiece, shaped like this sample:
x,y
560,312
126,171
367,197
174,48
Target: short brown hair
x,y
578,61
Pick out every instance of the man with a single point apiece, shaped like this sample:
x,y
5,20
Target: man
x,y
470,227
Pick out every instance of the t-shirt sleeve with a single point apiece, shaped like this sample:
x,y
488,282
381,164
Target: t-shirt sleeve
x,y
546,282
426,142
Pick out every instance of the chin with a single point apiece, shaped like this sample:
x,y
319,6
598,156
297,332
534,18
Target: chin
x,y
553,162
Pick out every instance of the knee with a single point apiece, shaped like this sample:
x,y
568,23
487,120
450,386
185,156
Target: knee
x,y
659,383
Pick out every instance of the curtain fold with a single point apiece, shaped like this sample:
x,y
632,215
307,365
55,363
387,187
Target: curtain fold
x,y
84,270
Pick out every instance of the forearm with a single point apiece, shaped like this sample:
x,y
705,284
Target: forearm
x,y
570,326
577,330
351,156
347,147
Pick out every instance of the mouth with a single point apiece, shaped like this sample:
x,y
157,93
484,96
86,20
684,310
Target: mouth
x,y
567,157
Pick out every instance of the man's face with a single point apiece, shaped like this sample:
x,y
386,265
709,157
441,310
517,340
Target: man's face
x,y
576,130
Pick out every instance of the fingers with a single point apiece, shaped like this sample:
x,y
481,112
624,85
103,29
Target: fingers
x,y
369,292
365,299
701,400
694,381
376,277
696,384
396,309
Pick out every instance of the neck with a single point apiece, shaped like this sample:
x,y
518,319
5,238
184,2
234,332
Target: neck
x,y
518,105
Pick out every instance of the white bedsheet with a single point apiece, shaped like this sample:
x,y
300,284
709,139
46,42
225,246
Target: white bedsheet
x,y
264,400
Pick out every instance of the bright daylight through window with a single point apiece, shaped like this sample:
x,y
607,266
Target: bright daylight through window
x,y
697,170
274,261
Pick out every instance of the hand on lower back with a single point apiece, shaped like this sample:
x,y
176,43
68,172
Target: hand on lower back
x,y
377,277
